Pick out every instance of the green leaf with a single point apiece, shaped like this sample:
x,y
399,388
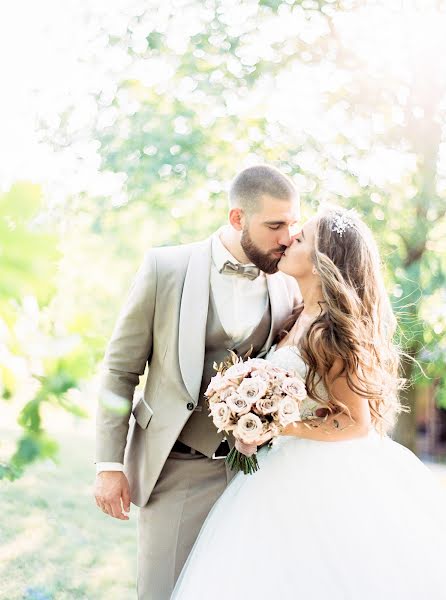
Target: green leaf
x,y
33,446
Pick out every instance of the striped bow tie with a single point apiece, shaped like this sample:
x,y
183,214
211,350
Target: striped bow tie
x,y
248,271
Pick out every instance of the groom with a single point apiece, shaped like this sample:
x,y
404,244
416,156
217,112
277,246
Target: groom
x,y
188,305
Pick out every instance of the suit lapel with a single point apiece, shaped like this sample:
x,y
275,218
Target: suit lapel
x,y
193,317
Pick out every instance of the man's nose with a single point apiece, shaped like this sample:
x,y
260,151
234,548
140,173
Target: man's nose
x,y
286,238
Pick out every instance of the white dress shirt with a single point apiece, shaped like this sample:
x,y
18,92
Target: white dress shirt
x,y
240,303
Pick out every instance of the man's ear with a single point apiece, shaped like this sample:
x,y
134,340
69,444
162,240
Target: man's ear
x,y
237,218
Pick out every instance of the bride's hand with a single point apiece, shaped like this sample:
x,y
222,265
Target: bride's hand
x,y
246,449
250,449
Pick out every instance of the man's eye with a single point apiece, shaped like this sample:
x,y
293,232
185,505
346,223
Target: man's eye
x,y
274,227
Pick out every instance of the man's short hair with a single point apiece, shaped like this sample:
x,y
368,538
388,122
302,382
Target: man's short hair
x,y
251,184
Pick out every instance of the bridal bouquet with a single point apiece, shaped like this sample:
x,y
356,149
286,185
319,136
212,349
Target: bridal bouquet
x,y
255,400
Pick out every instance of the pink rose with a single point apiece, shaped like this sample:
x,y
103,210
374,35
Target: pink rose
x,y
237,371
238,405
217,384
221,415
249,428
288,411
266,406
294,387
263,375
227,392
252,388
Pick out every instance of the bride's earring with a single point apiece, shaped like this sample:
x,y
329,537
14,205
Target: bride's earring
x,y
314,271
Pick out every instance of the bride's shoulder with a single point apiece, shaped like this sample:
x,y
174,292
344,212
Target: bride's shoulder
x,y
287,356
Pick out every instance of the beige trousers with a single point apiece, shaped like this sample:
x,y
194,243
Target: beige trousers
x,y
169,524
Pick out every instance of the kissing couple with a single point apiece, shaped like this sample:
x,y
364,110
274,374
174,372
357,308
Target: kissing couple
x,y
337,510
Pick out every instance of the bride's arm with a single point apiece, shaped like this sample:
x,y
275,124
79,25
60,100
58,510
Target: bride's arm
x,y
337,427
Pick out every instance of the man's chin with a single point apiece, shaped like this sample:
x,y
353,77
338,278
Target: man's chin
x,y
272,268
281,265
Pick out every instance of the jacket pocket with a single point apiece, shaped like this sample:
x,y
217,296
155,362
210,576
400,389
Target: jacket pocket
x,y
142,413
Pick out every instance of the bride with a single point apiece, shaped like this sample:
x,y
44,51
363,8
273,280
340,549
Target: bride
x,y
337,510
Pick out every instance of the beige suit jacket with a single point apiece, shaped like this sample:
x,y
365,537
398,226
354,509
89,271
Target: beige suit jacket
x,y
163,323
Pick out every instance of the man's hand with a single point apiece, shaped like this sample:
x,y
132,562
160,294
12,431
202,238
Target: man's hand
x,y
112,494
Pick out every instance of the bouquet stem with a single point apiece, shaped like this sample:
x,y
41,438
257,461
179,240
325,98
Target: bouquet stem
x,y
239,462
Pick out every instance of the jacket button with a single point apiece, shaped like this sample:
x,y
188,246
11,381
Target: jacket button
x,y
190,406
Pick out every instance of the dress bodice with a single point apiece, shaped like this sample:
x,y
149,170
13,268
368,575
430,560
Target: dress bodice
x,y
290,359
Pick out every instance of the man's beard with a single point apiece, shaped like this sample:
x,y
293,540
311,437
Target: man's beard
x,y
265,262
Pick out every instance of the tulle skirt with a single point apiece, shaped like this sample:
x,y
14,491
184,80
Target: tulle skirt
x,y
356,520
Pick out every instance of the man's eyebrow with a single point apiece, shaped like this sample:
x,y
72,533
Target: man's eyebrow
x,y
275,222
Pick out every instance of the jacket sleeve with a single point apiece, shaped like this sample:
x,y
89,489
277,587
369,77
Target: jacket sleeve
x,y
127,353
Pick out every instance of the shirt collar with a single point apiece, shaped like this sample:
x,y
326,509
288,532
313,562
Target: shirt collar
x,y
220,254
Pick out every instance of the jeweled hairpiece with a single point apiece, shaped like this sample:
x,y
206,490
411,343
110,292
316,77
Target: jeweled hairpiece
x,y
341,222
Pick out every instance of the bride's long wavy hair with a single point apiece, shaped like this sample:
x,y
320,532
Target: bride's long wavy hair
x,y
356,323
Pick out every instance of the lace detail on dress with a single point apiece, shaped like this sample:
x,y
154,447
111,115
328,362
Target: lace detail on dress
x,y
290,359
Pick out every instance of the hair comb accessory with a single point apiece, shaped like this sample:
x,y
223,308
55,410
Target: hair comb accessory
x,y
343,221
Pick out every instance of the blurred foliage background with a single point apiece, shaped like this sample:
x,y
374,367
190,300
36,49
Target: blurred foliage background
x,y
143,125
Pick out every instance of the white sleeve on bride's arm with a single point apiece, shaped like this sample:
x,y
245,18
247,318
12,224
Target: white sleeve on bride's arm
x,y
109,466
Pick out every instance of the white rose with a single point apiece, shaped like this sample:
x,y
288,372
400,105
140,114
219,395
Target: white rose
x,y
288,411
238,405
221,415
249,428
294,387
252,388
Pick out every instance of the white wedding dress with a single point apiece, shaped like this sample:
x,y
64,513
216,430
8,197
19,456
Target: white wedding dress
x,y
356,520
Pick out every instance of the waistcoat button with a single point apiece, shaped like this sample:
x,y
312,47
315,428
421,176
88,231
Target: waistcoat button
x,y
190,406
